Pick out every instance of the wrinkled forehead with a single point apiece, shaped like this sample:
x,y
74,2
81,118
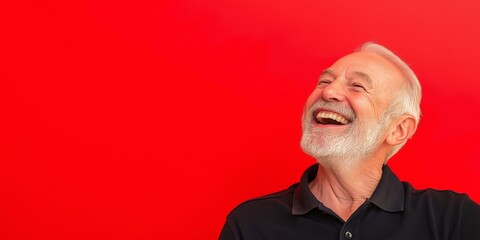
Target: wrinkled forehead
x,y
377,68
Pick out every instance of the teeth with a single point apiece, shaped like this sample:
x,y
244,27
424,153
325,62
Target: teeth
x,y
323,115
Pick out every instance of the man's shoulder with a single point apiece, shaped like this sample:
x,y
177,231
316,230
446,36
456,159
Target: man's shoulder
x,y
436,197
431,192
273,202
446,208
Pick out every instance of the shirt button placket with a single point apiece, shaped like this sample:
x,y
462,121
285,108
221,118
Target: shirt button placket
x,y
348,235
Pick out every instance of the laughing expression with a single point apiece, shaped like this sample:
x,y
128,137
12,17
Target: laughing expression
x,y
348,102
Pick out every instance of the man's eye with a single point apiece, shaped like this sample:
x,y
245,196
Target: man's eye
x,y
324,82
359,86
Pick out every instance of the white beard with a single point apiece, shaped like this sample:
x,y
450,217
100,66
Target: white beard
x,y
344,151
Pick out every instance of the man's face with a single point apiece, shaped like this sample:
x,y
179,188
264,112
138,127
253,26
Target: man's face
x,y
344,115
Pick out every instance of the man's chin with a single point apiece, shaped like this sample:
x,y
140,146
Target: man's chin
x,y
337,162
317,150
335,156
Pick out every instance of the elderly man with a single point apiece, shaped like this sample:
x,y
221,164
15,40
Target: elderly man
x,y
363,110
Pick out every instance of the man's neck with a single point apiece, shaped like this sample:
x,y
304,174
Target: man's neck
x,y
345,190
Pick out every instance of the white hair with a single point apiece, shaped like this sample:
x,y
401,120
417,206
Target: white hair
x,y
407,99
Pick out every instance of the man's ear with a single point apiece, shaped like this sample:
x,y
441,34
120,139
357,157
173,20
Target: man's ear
x,y
403,129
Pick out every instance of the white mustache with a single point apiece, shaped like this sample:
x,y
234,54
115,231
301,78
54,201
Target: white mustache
x,y
334,107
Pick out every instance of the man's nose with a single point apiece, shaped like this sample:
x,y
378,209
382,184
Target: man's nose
x,y
334,92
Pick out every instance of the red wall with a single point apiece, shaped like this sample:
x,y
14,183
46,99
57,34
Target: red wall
x,y
148,120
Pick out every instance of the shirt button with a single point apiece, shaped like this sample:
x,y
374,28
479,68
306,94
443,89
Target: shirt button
x,y
348,235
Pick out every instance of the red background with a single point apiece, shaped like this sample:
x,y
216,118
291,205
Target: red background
x,y
153,119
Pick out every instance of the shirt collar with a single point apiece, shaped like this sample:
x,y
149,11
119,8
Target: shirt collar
x,y
388,195
303,198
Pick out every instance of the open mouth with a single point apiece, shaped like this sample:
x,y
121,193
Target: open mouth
x,y
329,118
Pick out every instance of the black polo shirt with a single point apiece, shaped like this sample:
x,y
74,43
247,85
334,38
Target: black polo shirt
x,y
394,211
